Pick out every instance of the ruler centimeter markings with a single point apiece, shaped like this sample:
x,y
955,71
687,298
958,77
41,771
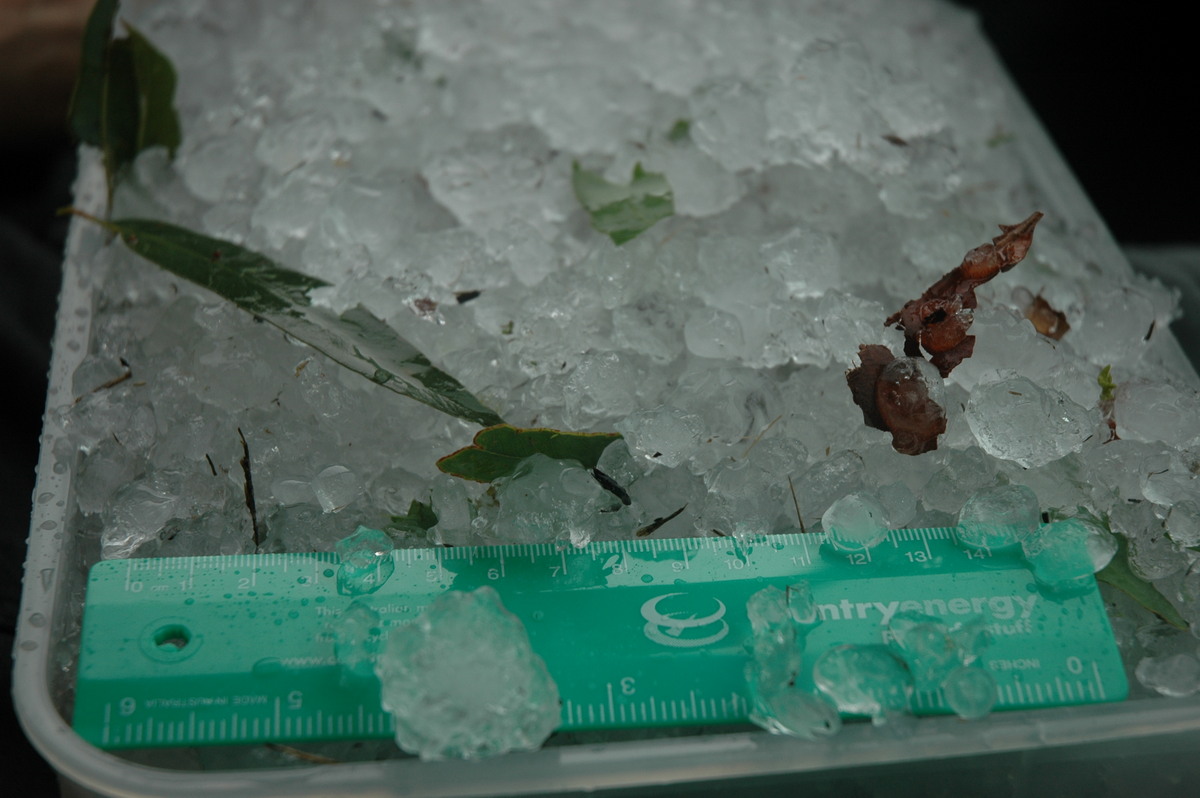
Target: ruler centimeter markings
x,y
240,649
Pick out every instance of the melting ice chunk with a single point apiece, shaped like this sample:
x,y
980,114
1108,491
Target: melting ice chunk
x,y
547,499
665,435
366,561
932,649
856,522
864,680
1176,675
999,517
1017,420
1058,555
463,682
780,620
970,692
336,487
357,641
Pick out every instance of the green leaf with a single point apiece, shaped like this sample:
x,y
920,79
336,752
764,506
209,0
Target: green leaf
x,y
124,96
252,281
363,343
420,517
118,112
1108,388
157,121
280,296
85,114
679,131
497,450
623,212
1118,574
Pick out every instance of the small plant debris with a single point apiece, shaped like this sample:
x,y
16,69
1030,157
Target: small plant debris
x,y
938,321
897,394
894,396
1045,318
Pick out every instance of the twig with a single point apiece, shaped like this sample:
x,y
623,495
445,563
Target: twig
x,y
654,525
796,502
760,435
250,491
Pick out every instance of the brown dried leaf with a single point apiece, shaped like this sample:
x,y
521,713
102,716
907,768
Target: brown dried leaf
x,y
863,378
894,396
938,321
1046,320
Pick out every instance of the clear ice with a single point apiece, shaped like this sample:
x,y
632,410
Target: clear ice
x,y
357,641
1059,557
780,620
999,517
366,561
933,649
946,657
970,692
856,522
864,680
462,681
548,500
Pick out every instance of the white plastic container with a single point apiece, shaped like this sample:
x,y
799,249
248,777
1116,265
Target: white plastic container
x,y
1142,744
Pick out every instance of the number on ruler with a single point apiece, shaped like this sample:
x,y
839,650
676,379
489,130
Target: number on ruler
x,y
493,573
1075,665
628,686
917,556
859,558
134,587
295,699
616,564
127,706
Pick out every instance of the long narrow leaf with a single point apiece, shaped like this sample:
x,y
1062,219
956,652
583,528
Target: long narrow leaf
x,y
280,296
85,111
1118,574
157,121
118,112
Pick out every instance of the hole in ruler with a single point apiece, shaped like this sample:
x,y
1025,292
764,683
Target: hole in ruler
x,y
172,638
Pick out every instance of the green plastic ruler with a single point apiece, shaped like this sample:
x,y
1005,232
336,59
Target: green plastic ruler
x,y
223,650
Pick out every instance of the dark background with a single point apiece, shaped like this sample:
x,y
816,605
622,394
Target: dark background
x,y
1114,85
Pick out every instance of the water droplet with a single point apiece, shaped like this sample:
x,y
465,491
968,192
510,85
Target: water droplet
x,y
59,468
189,601
47,578
28,645
302,580
538,615
647,578
44,497
327,573
293,614
37,619
48,525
